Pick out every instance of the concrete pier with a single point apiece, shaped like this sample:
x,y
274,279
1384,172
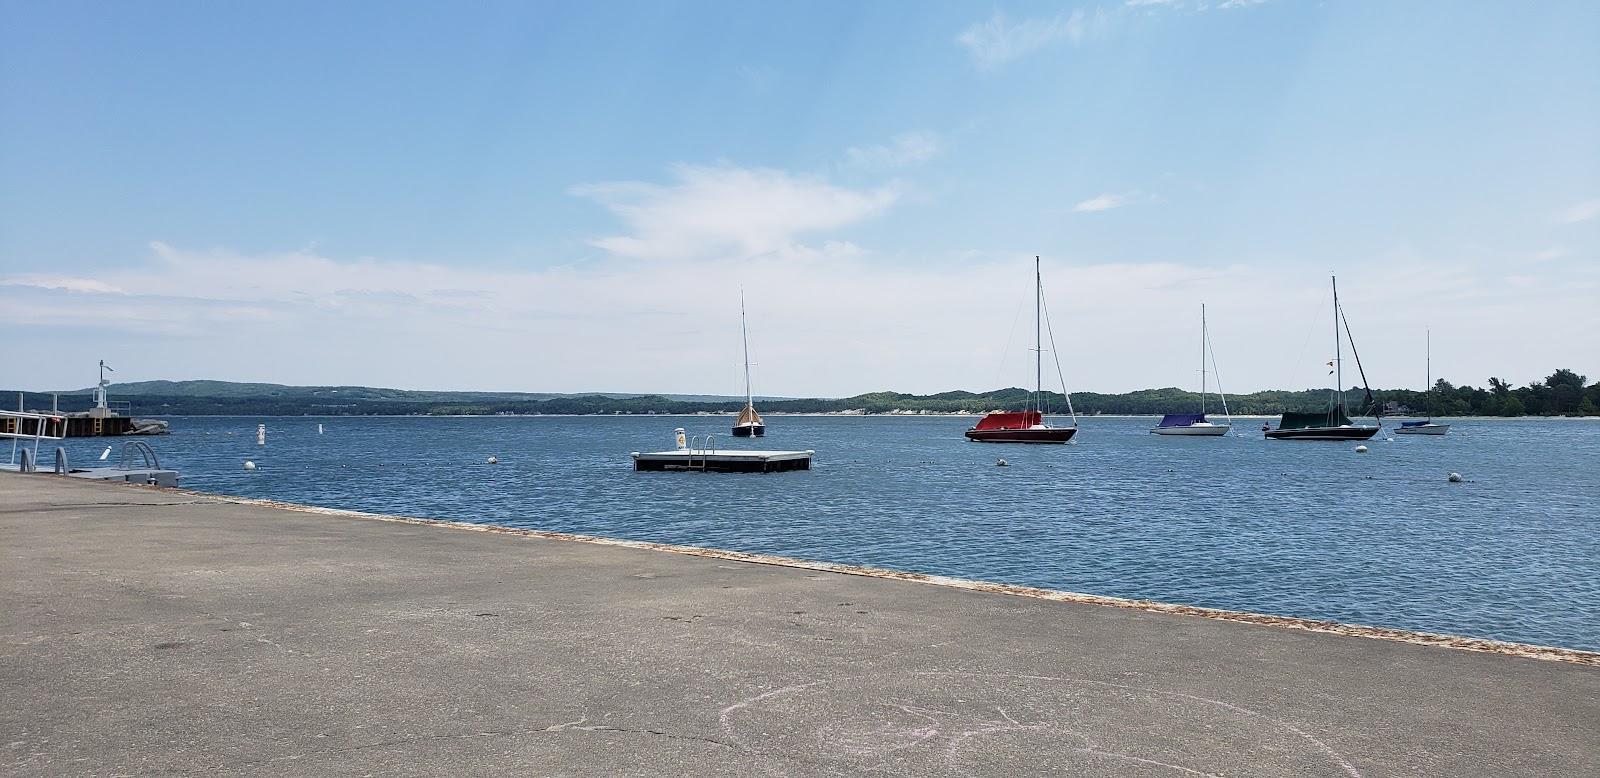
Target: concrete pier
x,y
148,631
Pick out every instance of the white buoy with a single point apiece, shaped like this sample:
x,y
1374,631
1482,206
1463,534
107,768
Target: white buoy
x,y
105,454
248,465
1455,478
683,442
493,460
319,429
1001,463
261,434
1361,449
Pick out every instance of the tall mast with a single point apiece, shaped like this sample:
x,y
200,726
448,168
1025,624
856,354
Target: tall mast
x,y
1202,359
1429,362
1338,357
1038,336
749,400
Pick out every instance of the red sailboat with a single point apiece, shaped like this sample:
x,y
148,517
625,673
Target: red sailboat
x,y
1028,426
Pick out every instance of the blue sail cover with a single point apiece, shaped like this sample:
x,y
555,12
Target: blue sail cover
x,y
1181,419
1414,423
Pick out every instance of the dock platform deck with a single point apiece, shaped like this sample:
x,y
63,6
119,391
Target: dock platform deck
x,y
149,631
723,460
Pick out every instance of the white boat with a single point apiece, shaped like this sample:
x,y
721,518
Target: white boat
x,y
749,424
1421,428
1195,423
1426,426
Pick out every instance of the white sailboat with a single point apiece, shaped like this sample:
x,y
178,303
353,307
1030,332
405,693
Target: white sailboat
x,y
1425,427
1196,423
749,424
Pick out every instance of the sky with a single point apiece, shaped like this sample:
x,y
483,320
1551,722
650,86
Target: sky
x,y
567,197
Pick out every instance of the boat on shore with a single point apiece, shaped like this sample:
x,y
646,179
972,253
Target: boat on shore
x,y
1195,424
1028,425
749,423
1426,426
1332,424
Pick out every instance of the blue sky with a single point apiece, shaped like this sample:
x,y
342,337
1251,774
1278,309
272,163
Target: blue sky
x,y
567,197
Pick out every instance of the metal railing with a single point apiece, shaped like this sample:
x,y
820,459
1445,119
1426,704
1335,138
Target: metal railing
x,y
21,426
706,450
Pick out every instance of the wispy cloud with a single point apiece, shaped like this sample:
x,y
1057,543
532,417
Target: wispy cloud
x,y
728,211
903,150
673,326
1550,254
1191,5
1581,212
999,40
1104,202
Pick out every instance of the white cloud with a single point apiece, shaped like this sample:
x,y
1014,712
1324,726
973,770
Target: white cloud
x,y
1104,202
1550,254
836,319
1581,212
728,211
63,283
1229,5
997,41
903,150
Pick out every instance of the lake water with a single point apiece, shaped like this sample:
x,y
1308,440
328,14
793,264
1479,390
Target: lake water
x,y
1306,529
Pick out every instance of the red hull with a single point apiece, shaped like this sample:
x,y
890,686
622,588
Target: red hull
x,y
1046,435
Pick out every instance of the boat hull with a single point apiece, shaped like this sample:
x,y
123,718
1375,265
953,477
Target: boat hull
x,y
1032,435
1323,433
1427,429
1202,430
750,431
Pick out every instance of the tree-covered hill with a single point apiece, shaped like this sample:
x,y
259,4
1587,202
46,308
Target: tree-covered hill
x,y
1562,393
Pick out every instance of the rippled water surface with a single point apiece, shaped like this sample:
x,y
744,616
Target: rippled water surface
x,y
1298,528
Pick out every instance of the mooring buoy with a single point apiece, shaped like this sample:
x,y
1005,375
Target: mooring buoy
x,y
1455,477
494,460
1001,463
1361,449
248,465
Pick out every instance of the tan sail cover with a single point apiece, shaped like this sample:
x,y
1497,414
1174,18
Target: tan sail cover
x,y
749,416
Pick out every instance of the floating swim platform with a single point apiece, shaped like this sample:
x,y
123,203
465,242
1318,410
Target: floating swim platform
x,y
722,461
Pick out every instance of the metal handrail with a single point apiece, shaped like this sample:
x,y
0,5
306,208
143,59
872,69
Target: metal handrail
x,y
43,424
143,449
705,458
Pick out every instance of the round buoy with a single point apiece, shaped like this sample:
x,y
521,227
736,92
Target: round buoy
x,y
1455,478
1361,449
248,465
1001,463
494,460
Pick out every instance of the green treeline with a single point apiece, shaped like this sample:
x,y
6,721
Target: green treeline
x,y
1561,393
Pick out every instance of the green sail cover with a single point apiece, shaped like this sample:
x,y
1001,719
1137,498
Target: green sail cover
x,y
1300,421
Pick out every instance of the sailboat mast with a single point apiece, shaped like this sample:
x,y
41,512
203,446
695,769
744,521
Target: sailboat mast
x,y
749,400
1428,360
1202,359
1038,336
1338,356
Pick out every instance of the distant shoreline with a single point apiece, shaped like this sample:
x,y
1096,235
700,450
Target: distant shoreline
x,y
1081,416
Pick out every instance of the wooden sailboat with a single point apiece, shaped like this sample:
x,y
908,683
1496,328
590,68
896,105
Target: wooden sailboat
x,y
749,424
1195,423
1425,427
1028,426
1334,424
